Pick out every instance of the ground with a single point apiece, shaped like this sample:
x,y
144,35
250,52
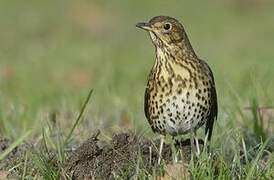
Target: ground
x,y
99,159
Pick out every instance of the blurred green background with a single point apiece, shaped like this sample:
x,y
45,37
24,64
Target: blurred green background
x,y
53,52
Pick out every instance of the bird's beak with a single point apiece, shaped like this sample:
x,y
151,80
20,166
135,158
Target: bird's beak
x,y
145,26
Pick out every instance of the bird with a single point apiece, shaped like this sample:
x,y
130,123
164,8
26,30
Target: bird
x,y
180,96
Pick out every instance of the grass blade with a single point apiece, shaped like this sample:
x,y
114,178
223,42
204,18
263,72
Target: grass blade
x,y
79,117
255,162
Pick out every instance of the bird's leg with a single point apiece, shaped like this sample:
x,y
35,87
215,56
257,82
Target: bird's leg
x,y
197,143
150,155
207,144
161,148
174,150
192,144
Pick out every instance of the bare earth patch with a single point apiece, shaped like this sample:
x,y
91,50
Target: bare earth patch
x,y
123,157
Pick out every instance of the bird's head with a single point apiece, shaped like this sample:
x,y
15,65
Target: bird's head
x,y
165,31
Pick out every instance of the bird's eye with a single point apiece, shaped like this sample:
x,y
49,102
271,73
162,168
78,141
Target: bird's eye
x,y
167,26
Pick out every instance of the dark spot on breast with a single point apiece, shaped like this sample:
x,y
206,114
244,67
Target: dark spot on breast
x,y
204,108
172,120
162,110
197,96
205,90
170,82
159,83
190,86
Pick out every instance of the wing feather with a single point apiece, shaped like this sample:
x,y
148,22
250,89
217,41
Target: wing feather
x,y
214,106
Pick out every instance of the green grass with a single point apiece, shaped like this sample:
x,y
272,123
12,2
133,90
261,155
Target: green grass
x,y
53,52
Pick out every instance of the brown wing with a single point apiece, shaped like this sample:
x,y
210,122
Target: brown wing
x,y
146,108
214,106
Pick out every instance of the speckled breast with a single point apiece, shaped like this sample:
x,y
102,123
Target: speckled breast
x,y
177,104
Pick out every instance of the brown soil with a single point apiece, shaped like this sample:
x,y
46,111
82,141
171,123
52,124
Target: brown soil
x,y
122,157
12,156
15,157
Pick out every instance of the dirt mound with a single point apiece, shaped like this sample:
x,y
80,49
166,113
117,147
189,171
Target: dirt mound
x,y
126,155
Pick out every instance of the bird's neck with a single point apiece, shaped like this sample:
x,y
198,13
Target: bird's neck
x,y
170,64
180,51
183,49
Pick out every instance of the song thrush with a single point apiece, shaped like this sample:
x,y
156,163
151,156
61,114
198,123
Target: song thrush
x,y
180,95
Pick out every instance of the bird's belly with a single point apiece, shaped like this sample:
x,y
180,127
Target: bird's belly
x,y
182,113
